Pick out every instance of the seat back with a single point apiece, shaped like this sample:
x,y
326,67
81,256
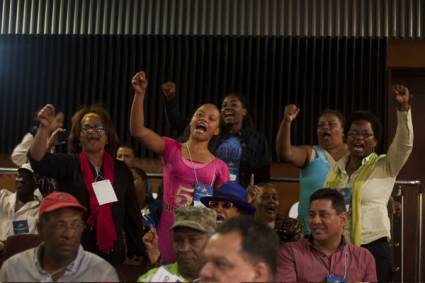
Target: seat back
x,y
19,243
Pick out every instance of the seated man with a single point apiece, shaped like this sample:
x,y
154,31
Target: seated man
x,y
19,210
230,200
325,255
60,256
192,228
267,203
244,249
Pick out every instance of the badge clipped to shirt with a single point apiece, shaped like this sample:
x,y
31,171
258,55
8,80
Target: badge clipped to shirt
x,y
330,278
20,227
163,275
104,192
201,190
233,172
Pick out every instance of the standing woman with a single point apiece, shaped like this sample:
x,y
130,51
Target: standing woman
x,y
313,160
244,149
370,178
187,167
91,174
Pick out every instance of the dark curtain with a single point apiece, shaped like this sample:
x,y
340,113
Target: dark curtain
x,y
315,73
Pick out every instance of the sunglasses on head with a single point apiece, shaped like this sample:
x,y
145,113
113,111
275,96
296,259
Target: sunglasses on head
x,y
224,204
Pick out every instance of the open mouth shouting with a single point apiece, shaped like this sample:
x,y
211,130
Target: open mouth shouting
x,y
271,210
201,127
358,148
220,219
325,136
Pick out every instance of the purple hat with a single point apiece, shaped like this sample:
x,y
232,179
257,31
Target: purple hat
x,y
231,192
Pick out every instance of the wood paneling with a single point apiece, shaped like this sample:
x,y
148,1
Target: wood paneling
x,y
406,54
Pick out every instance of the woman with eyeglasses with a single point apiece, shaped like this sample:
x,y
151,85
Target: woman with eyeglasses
x,y
367,179
314,161
96,179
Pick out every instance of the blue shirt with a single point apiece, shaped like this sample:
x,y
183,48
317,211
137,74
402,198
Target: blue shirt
x,y
230,151
312,178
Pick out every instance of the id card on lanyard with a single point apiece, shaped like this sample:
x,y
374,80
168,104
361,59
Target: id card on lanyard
x,y
20,227
201,190
104,192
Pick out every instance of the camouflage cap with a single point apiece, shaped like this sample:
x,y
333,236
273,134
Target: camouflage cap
x,y
201,219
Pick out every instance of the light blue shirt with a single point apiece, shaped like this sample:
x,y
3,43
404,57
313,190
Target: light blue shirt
x,y
86,267
312,178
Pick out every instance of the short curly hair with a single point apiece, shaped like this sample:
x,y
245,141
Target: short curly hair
x,y
74,137
367,116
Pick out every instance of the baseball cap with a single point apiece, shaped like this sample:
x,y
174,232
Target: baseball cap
x,y
57,200
197,218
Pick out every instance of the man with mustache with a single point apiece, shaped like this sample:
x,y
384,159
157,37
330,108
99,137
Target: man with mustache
x,y
60,257
325,255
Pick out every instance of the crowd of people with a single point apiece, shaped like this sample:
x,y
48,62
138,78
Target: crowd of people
x,y
216,216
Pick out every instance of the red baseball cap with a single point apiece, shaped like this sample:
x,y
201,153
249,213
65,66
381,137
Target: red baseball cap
x,y
57,200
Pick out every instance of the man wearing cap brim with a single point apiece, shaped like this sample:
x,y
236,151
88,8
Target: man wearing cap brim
x,y
192,228
231,200
60,256
19,210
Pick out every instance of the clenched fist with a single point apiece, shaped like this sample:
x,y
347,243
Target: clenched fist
x,y
139,82
46,116
168,89
402,97
290,112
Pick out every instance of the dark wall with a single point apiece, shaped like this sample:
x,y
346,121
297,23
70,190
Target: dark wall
x,y
315,73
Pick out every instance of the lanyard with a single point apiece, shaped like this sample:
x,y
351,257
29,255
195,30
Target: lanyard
x,y
328,270
194,169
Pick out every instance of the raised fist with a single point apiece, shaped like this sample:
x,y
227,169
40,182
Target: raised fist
x,y
402,96
139,82
46,116
290,112
168,89
150,239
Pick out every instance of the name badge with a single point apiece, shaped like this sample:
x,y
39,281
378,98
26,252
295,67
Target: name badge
x,y
233,172
104,192
163,275
335,279
201,190
20,227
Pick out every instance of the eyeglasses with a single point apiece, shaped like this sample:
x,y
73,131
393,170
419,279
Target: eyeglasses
x,y
61,227
224,204
96,128
363,134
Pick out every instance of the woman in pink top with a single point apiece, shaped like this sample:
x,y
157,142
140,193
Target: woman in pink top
x,y
188,168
